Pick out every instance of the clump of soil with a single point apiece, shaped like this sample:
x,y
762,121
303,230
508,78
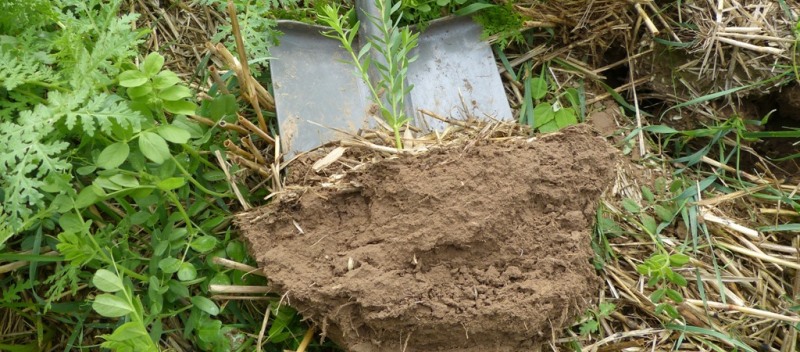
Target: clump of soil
x,y
483,246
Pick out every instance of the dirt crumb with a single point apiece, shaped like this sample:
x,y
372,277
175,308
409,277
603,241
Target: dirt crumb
x,y
476,247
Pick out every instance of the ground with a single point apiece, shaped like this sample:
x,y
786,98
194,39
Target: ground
x,y
443,251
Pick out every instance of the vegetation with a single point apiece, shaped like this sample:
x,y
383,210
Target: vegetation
x,y
393,46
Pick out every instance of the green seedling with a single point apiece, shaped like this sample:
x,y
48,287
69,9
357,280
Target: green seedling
x,y
547,116
591,324
659,267
392,46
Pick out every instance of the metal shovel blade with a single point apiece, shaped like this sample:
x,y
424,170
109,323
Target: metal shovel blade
x,y
455,74
316,89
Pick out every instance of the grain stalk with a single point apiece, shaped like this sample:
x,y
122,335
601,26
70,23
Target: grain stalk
x,y
392,47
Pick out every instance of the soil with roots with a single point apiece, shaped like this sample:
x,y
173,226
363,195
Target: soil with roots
x,y
482,246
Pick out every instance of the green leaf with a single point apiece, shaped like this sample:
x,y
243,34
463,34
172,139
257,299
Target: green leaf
x,y
674,295
129,331
658,295
105,183
538,88
165,79
647,194
71,222
678,260
653,281
178,289
169,265
214,175
606,308
140,91
140,217
542,114
176,92
205,305
549,127
171,183
209,330
473,8
155,292
565,117
152,64
125,180
631,206
589,327
85,170
194,128
220,279
88,196
794,227
187,272
204,244
107,281
649,223
236,251
664,214
693,330
111,306
574,98
154,147
221,106
113,156
173,134
180,107
671,311
677,279
132,78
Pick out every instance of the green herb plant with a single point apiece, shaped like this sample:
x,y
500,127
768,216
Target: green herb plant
x,y
661,265
498,20
101,164
392,46
548,116
256,25
660,268
593,317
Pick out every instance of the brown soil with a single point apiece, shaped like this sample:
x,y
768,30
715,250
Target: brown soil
x,y
477,247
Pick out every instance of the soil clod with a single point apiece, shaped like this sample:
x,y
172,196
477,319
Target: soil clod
x,y
473,247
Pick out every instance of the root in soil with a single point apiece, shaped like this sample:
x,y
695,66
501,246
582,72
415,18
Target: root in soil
x,y
470,247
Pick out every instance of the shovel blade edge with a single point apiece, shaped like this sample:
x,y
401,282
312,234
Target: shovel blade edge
x,y
316,89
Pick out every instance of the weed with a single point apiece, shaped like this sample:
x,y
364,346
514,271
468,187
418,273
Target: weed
x,y
659,267
392,46
501,21
101,165
542,115
257,25
592,318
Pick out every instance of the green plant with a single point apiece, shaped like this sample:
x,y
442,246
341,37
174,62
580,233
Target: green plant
x,y
256,25
118,300
501,20
392,46
659,267
543,115
421,11
592,318
100,163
